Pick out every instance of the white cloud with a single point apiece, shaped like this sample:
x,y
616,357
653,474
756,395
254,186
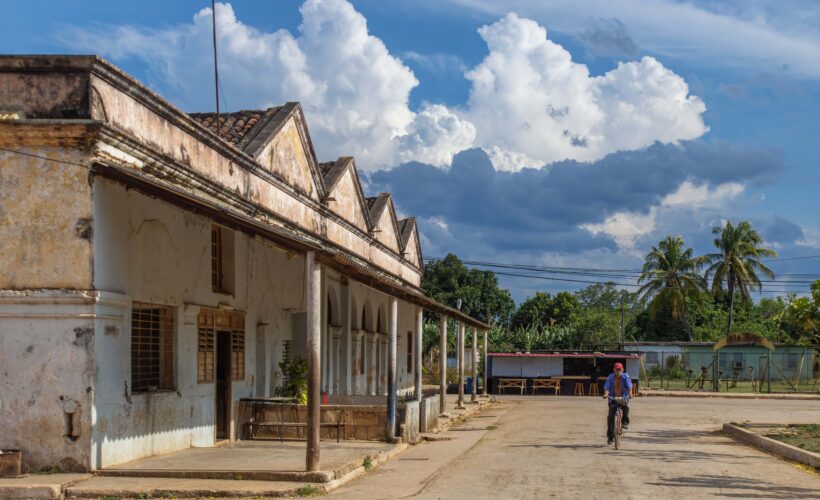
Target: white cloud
x,y
529,104
354,92
627,228
762,35
529,97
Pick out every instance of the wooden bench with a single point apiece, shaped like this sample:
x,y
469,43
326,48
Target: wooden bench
x,y
546,383
515,383
251,427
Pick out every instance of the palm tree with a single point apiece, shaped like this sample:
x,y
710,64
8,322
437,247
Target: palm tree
x,y
737,262
670,274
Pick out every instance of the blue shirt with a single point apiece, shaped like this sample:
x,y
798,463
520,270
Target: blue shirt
x,y
626,384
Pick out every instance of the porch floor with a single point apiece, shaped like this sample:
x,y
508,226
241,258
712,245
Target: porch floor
x,y
262,460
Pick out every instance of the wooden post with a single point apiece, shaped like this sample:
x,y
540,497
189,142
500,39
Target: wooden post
x,y
474,392
391,369
313,286
418,359
486,380
442,329
460,404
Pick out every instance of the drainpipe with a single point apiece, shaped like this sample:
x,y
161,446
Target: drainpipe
x,y
314,355
391,370
418,347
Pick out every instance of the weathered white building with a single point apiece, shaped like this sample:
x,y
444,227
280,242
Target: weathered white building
x,y
156,269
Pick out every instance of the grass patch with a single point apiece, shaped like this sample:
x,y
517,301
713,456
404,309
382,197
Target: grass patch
x,y
491,427
367,462
806,437
309,490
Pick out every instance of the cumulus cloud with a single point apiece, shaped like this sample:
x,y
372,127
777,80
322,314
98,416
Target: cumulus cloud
x,y
355,93
529,103
626,228
529,97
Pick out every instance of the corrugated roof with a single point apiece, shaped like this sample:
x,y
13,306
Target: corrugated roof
x,y
562,355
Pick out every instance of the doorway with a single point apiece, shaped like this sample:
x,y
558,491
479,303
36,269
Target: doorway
x,y
223,385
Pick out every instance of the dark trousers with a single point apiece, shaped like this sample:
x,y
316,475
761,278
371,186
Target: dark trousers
x,y
610,419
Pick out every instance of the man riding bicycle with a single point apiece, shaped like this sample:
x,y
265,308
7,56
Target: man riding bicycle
x,y
617,384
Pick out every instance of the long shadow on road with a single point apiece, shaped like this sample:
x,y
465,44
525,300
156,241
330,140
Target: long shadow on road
x,y
753,488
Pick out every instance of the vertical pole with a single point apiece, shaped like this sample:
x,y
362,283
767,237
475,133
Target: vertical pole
x,y
314,335
460,404
769,372
391,369
474,393
486,362
442,330
623,330
418,359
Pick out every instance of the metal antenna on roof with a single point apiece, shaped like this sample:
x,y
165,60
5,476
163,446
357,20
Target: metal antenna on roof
x,y
216,66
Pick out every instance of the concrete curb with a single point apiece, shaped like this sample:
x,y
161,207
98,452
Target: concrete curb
x,y
773,446
38,486
793,397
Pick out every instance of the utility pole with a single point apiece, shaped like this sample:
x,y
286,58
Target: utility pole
x,y
216,67
623,331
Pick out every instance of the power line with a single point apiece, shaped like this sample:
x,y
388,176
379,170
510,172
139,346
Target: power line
x,y
46,158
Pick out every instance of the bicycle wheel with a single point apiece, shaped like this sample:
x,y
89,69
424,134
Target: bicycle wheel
x,y
619,413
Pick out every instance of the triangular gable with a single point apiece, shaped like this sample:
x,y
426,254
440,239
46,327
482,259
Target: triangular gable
x,y
385,226
344,192
280,142
411,246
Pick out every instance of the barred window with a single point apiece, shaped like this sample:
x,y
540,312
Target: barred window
x,y
791,361
409,352
286,350
152,347
652,358
216,258
238,354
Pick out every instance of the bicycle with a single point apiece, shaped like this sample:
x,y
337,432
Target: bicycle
x,y
619,415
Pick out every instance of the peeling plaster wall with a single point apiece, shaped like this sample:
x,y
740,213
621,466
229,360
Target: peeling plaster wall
x,y
284,156
151,251
387,233
47,367
45,220
347,202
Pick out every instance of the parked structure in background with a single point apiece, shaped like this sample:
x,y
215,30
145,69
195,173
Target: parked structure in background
x,y
745,362
159,265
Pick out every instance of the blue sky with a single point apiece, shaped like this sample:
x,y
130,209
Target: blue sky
x,y
552,133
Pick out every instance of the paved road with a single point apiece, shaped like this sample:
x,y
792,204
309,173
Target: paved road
x,y
555,447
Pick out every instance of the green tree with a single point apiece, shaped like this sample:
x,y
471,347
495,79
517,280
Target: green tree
x,y
543,309
669,275
448,280
737,262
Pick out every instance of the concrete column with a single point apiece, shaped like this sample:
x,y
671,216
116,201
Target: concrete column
x,y
314,354
418,359
346,347
371,372
391,369
442,329
460,404
486,364
475,366
355,360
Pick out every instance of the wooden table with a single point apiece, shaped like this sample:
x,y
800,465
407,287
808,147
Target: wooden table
x,y
546,383
519,383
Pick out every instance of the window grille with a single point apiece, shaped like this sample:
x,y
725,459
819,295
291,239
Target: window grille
x,y
286,350
238,354
409,352
652,358
152,347
216,258
791,361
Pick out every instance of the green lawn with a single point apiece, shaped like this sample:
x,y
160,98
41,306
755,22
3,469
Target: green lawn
x,y
742,386
802,436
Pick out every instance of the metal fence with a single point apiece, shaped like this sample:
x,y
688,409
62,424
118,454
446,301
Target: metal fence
x,y
731,370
